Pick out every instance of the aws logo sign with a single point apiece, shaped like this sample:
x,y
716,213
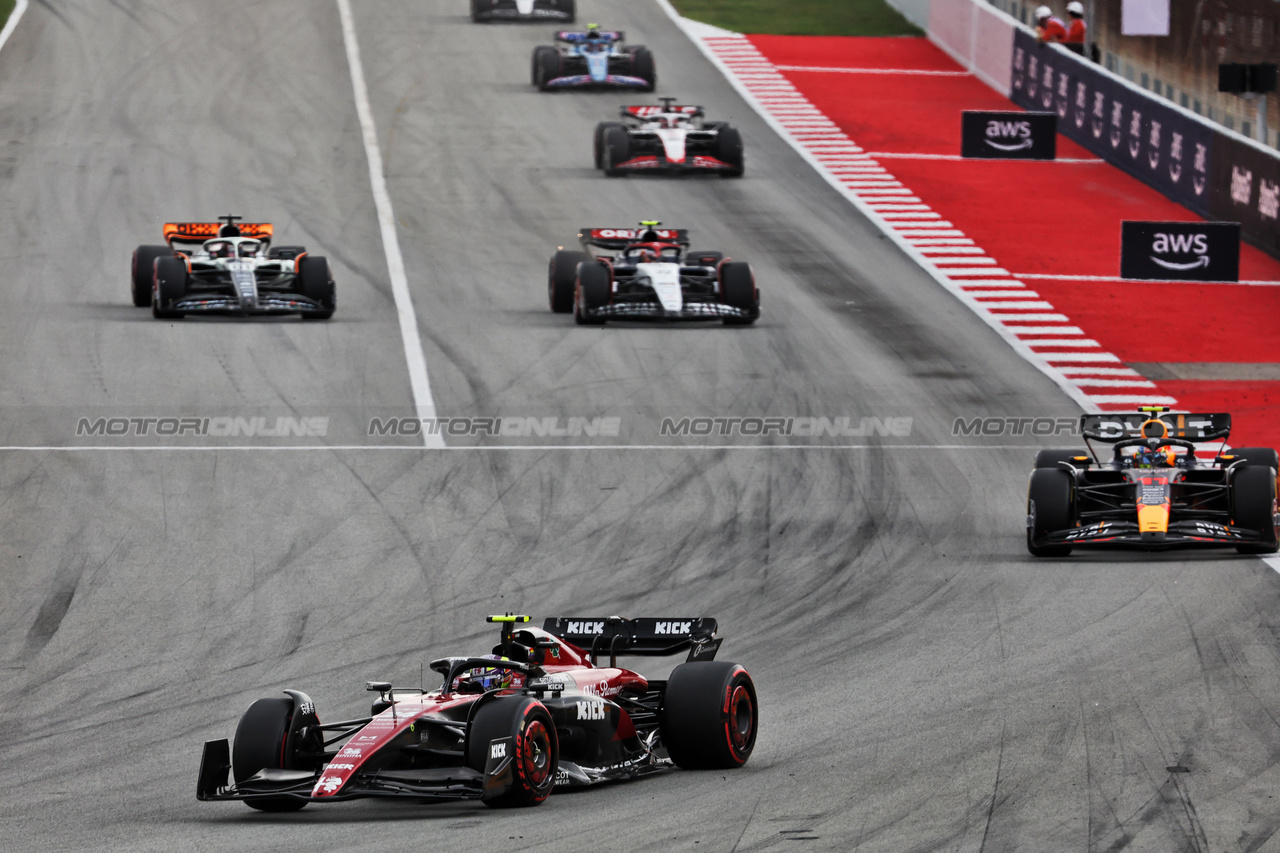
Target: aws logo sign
x,y
1194,251
1008,135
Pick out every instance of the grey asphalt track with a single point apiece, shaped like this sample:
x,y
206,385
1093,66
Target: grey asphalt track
x,y
924,684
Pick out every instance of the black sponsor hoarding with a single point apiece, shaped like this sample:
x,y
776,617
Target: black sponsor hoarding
x,y
1246,183
1180,251
1196,164
1008,135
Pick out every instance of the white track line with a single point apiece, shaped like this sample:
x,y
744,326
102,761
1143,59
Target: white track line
x,y
16,15
745,67
420,384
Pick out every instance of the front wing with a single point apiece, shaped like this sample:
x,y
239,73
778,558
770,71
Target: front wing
x,y
584,81
1180,534
655,311
658,163
267,303
506,10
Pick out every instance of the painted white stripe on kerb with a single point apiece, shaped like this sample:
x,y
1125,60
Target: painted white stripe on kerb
x,y
419,383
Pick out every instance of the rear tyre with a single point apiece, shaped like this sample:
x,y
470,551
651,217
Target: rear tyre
x,y
169,284
314,283
1049,499
1253,506
260,744
144,263
709,715
536,753
598,144
562,278
1051,458
703,259
617,149
738,289
642,66
592,292
546,66
285,253
729,150
1263,457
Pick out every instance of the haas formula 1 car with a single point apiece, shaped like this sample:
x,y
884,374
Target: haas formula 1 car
x,y
230,267
522,10
593,59
652,276
547,709
1153,493
667,138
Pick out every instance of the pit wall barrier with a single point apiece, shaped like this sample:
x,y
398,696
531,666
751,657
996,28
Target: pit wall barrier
x,y
1214,172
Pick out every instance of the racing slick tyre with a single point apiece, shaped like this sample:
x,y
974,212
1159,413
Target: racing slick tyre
x,y
729,150
535,754
170,283
602,129
709,718
1049,509
642,67
314,283
144,263
1263,457
562,279
617,149
477,9
546,66
738,289
259,744
1253,506
1051,458
592,290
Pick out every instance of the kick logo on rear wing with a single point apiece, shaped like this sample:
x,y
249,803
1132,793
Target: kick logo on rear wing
x,y
647,636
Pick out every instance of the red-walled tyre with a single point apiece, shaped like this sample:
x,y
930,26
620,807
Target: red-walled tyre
x,y
260,744
536,749
710,715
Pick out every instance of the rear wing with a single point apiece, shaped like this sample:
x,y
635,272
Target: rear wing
x,y
1118,426
649,110
650,637
579,37
619,238
198,232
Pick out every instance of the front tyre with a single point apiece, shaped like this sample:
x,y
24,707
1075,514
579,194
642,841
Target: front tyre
x,y
598,142
144,262
562,279
642,66
546,66
709,715
259,745
1050,508
593,291
1253,506
536,752
729,150
738,290
315,283
617,149
169,284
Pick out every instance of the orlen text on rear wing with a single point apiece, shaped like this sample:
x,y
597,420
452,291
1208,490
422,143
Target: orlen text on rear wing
x,y
198,232
1117,426
615,239
654,637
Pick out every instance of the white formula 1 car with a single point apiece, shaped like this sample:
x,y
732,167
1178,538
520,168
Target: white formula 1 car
x,y
667,138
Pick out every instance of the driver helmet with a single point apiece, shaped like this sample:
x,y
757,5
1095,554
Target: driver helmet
x,y
483,679
1043,12
221,249
249,248
1152,457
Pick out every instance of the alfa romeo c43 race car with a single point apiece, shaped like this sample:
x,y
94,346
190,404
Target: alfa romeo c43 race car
x,y
667,138
652,276
595,59
1153,492
230,267
483,11
546,709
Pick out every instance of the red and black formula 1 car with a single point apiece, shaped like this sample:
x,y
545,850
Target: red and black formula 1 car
x,y
595,59
483,11
1153,493
230,267
667,138
546,709
652,276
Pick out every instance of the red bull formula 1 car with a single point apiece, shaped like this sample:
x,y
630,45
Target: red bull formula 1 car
x,y
667,138
651,276
547,709
1153,492
595,59
483,11
230,267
